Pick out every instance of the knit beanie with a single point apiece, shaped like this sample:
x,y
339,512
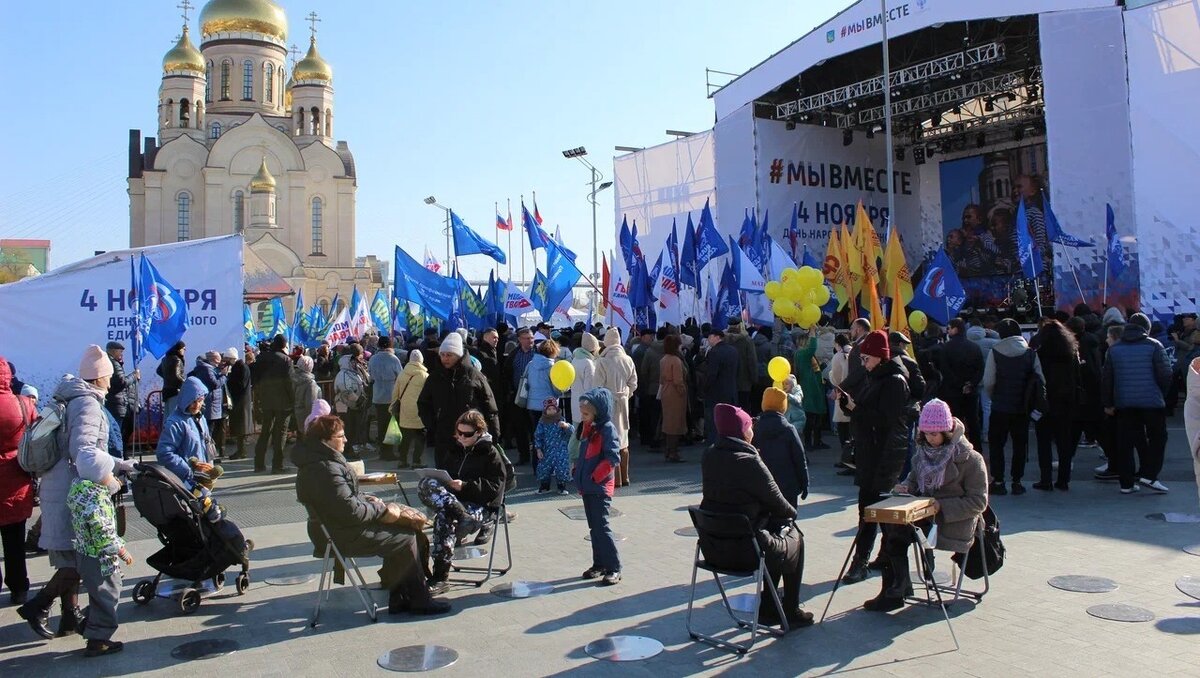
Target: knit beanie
x,y
589,343
936,417
462,332
415,356
875,344
305,364
94,364
774,400
612,337
1008,328
320,408
1141,320
731,421
453,344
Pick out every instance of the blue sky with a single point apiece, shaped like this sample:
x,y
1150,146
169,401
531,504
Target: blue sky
x,y
471,102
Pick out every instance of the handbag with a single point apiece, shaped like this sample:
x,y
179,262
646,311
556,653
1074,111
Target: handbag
x,y
522,397
986,553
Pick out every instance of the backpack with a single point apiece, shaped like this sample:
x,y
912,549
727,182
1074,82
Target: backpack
x,y
987,552
41,446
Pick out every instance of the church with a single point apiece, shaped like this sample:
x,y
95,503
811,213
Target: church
x,y
246,145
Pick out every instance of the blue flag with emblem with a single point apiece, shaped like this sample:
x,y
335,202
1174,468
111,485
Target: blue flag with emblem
x,y
295,330
538,290
1054,232
537,237
278,323
162,312
472,308
689,274
250,330
432,292
561,276
729,303
381,315
1115,259
467,241
709,243
1028,253
940,293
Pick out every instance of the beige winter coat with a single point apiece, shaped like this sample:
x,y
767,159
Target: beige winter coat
x,y
615,372
839,369
963,495
405,393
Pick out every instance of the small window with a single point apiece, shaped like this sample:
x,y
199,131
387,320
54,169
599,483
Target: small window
x,y
208,76
239,212
269,82
225,68
184,112
183,219
214,131
247,80
318,238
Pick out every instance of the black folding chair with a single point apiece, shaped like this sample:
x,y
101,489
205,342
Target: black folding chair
x,y
497,522
730,548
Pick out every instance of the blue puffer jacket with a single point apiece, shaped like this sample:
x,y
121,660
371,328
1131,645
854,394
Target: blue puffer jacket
x,y
538,376
214,382
599,453
1136,373
184,435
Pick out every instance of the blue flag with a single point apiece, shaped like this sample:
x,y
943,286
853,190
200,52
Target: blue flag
x,y
537,237
1054,232
380,313
561,276
1027,251
277,321
689,275
673,254
467,241
162,312
295,330
563,246
746,275
811,260
538,291
729,303
415,283
626,239
793,231
250,330
135,337
709,243
940,293
470,305
1115,256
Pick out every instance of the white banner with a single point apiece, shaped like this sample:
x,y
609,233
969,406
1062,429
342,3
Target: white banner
x,y
51,318
812,168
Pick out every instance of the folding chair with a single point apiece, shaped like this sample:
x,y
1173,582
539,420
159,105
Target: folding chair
x,y
491,570
339,562
974,550
732,539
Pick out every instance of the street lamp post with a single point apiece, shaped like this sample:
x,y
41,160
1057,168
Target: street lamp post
x,y
433,201
597,186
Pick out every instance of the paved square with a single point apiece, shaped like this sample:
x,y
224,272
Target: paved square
x,y
1022,627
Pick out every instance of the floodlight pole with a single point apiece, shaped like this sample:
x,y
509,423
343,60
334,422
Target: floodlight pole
x,y
887,116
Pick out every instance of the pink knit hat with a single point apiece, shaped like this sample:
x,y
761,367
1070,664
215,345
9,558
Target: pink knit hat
x,y
320,408
94,364
936,417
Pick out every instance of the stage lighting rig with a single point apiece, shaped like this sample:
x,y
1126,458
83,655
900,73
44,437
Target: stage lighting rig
x,y
900,153
919,155
790,125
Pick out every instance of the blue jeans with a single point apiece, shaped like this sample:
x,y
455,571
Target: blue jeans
x,y
604,549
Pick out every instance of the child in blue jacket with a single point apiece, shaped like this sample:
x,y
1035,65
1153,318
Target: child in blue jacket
x,y
599,455
550,441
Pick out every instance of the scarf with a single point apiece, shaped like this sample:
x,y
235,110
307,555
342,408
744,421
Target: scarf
x,y
929,465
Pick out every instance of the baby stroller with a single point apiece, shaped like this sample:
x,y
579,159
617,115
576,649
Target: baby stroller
x,y
194,548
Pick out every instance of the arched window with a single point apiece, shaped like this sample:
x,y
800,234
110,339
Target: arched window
x,y
316,121
225,68
299,121
168,112
185,112
239,212
214,131
328,122
318,238
247,80
183,220
269,82
208,76
281,86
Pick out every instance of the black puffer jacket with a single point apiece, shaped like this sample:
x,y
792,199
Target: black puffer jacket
x,y
480,469
171,370
780,448
735,480
273,381
446,395
882,416
328,489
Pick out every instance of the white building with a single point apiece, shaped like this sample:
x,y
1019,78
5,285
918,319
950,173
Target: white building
x,y
243,147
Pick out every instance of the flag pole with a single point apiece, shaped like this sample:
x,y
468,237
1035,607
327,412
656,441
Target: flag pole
x,y
534,252
1107,256
1037,287
133,349
1074,273
510,230
496,265
527,237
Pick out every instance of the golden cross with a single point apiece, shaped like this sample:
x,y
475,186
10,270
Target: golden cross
x,y
186,7
312,19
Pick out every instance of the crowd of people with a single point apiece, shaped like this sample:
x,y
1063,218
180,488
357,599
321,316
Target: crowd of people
x,y
910,414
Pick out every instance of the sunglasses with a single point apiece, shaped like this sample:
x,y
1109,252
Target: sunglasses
x,y
459,433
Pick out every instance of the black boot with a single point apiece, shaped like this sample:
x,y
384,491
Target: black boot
x,y
72,617
896,584
439,581
859,570
37,613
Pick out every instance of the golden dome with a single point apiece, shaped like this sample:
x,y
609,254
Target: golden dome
x,y
183,56
243,16
262,182
312,66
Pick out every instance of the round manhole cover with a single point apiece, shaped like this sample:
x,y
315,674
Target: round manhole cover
x,y
623,648
1083,584
1121,612
417,658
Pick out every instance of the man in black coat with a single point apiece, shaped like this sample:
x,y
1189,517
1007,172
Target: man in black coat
x,y
855,375
121,396
960,363
879,410
273,385
449,392
719,381
173,370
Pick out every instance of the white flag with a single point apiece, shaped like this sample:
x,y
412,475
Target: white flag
x,y
516,303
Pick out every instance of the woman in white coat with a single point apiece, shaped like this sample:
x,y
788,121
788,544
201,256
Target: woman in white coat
x,y
583,359
615,371
839,368
1191,415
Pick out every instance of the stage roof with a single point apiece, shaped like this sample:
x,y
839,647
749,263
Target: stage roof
x,y
858,26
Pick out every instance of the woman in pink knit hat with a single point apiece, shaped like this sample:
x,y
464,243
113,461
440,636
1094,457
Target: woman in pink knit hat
x,y
947,468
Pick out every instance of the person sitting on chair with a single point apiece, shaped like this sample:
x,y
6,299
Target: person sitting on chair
x,y
360,524
478,474
947,468
735,480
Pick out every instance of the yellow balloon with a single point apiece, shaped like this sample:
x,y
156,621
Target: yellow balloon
x,y
788,275
779,368
793,290
918,321
810,277
773,289
562,375
821,295
809,315
782,308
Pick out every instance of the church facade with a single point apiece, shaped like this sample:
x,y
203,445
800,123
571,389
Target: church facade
x,y
245,144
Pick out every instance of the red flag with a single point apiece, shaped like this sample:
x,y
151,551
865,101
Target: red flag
x,y
510,223
502,224
537,216
604,280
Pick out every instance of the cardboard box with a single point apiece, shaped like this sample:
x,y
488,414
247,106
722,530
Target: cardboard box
x,y
899,510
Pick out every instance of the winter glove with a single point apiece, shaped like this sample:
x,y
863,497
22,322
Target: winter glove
x,y
124,465
803,494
